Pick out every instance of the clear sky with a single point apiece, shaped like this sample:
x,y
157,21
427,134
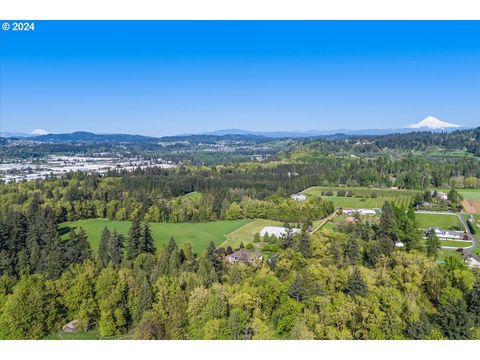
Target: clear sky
x,y
171,77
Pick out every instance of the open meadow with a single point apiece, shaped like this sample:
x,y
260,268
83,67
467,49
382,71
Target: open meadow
x,y
363,197
443,221
199,234
246,233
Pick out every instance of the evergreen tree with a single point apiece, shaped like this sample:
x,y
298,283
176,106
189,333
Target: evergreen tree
x,y
52,256
103,257
215,259
134,239
304,246
297,288
352,251
356,285
116,248
433,244
388,223
77,248
473,302
146,244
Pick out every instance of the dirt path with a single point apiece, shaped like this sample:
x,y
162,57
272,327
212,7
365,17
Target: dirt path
x,y
327,219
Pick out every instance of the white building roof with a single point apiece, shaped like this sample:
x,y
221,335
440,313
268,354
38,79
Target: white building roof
x,y
278,231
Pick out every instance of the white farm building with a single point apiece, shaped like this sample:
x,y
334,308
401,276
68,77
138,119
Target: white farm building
x,y
352,212
299,197
447,234
278,231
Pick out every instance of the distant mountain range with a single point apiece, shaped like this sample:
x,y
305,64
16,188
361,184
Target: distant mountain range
x,y
430,124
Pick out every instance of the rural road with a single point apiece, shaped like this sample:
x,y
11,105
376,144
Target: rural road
x,y
474,237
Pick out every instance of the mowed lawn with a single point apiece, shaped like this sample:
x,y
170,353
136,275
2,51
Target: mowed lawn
x,y
457,244
199,234
246,233
362,197
443,221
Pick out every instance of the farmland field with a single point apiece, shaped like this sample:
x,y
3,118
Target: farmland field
x,y
443,221
199,234
362,196
246,233
470,194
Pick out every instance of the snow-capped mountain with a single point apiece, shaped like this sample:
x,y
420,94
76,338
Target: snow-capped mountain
x,y
432,122
39,132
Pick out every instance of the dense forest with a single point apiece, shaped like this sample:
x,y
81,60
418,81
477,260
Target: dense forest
x,y
346,284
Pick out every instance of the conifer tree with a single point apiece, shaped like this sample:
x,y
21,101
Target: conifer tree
x,y
134,239
103,257
297,288
304,246
356,285
146,244
116,248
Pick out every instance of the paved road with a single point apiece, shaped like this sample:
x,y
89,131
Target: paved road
x,y
474,237
435,212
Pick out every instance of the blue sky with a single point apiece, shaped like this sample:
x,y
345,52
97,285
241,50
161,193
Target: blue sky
x,y
171,77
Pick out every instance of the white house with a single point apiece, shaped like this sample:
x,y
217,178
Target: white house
x,y
447,234
278,231
299,197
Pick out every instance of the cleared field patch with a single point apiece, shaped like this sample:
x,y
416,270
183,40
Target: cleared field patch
x,y
199,234
471,206
246,233
443,221
362,197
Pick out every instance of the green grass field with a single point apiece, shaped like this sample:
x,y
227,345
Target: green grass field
x,y
449,253
246,233
443,221
470,194
457,244
362,196
199,234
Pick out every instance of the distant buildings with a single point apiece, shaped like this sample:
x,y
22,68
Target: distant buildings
x,y
245,256
277,231
60,165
